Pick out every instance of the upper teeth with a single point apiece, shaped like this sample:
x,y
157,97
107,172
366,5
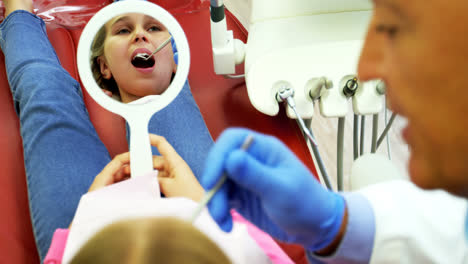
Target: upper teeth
x,y
142,55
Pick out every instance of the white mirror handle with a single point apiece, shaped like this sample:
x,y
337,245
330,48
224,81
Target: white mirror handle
x,y
141,157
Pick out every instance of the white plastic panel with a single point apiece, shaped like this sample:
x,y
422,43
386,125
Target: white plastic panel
x,y
297,66
333,103
298,49
367,101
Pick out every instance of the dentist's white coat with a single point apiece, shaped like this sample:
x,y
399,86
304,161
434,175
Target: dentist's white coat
x,y
416,226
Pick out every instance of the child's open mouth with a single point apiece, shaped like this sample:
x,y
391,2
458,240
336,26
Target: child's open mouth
x,y
141,62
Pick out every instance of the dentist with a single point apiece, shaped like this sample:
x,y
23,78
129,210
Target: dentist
x,y
419,48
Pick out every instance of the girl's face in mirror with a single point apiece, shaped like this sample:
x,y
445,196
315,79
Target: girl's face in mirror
x,y
126,36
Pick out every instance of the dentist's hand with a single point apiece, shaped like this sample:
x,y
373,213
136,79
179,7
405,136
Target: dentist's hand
x,y
271,188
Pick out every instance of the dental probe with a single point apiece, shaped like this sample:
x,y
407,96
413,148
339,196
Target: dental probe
x,y
146,57
245,145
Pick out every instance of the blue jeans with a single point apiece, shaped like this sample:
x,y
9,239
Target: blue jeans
x,y
62,151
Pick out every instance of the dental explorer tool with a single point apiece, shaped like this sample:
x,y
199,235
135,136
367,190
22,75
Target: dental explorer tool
x,y
245,145
146,57
285,94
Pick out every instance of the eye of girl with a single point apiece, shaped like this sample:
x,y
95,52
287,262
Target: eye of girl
x,y
389,30
122,31
154,28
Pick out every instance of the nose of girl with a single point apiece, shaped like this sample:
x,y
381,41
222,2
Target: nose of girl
x,y
140,35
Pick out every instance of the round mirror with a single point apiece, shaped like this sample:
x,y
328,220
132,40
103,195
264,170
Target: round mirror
x,y
118,71
132,58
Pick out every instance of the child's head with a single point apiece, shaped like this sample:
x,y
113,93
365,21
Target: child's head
x,y
150,240
114,49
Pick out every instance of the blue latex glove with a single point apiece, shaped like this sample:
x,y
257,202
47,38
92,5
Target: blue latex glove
x,y
176,52
269,186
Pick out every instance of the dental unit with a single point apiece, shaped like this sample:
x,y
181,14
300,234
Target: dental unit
x,y
300,52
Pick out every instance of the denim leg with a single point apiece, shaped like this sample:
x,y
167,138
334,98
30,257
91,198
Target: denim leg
x,y
182,124
62,151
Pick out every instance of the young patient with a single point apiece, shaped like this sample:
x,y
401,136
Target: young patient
x,y
62,150
146,237
150,240
114,52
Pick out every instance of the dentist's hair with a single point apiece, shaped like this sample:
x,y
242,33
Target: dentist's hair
x,y
150,240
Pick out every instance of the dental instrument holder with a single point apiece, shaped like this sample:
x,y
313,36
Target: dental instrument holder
x,y
286,94
137,116
369,98
227,51
297,40
316,85
350,87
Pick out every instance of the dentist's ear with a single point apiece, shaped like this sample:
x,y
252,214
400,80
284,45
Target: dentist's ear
x,y
105,71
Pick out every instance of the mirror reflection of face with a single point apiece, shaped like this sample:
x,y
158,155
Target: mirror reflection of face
x,y
125,37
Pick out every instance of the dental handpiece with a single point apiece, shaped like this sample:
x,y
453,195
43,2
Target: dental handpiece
x,y
286,94
146,57
299,120
206,199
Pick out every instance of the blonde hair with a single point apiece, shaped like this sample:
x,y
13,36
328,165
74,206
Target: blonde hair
x,y
150,240
97,50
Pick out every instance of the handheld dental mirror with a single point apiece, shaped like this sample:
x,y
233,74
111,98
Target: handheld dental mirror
x,y
137,115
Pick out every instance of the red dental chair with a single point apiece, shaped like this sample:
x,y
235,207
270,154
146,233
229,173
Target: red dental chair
x,y
223,103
